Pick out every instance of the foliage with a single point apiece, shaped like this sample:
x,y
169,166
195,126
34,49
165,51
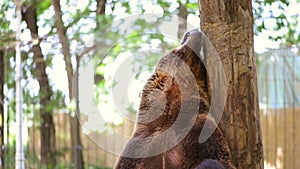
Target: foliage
x,y
272,15
7,37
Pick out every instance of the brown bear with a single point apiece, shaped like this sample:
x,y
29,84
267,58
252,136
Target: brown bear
x,y
173,110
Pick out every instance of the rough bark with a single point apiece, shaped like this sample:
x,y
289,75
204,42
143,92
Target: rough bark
x,y
77,156
47,129
2,64
229,26
182,15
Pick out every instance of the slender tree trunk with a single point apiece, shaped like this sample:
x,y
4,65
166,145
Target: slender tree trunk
x,y
182,15
77,156
47,130
229,26
101,7
100,12
2,73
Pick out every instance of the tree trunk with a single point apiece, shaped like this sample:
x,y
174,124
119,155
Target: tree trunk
x,y
2,64
47,130
100,7
182,17
229,26
77,156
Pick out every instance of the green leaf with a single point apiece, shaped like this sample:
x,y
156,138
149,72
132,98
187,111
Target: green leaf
x,y
42,6
192,5
163,4
286,2
269,1
127,6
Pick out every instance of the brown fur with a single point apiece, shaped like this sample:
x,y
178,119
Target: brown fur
x,y
159,108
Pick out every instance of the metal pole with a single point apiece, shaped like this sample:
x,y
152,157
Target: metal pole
x,y
20,159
